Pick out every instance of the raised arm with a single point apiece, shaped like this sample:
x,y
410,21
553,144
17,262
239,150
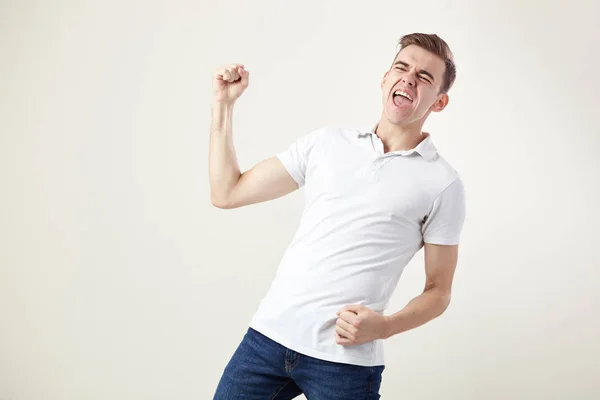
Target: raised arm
x,y
229,188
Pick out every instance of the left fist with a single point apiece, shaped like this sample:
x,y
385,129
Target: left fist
x,y
358,324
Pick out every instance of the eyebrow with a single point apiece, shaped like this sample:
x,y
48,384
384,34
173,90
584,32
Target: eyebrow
x,y
421,71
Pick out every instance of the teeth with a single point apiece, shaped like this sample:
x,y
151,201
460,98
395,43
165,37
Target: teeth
x,y
401,93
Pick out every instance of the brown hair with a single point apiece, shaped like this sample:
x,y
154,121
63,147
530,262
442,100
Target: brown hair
x,y
436,45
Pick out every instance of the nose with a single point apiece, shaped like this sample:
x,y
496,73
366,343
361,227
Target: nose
x,y
409,79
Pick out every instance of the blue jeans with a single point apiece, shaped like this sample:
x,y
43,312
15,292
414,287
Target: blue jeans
x,y
262,369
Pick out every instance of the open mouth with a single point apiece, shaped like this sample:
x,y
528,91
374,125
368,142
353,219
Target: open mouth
x,y
402,98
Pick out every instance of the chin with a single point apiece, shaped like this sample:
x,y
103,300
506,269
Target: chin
x,y
396,119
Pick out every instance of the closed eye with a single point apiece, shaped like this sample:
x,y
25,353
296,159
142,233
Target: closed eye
x,y
422,76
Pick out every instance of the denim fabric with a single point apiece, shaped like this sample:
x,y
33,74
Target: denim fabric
x,y
262,369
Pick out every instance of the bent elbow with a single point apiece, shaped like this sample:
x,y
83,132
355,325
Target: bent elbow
x,y
445,300
220,203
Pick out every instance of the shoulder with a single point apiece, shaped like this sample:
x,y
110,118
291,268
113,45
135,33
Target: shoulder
x,y
445,169
446,177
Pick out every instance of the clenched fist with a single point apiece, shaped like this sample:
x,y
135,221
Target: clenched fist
x,y
229,83
357,324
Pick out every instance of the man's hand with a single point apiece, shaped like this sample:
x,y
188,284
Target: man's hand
x,y
229,82
358,324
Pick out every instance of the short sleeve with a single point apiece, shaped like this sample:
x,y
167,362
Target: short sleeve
x,y
446,218
296,157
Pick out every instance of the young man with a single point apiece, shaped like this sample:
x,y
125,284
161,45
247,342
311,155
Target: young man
x,y
374,197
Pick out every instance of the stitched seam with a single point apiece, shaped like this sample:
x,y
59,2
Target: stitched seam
x,y
280,389
294,363
292,360
441,192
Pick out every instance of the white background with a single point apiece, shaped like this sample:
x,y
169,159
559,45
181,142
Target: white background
x,y
119,280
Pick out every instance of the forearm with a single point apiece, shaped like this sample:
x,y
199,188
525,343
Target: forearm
x,y
420,310
224,171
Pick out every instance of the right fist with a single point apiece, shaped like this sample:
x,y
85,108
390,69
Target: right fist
x,y
229,83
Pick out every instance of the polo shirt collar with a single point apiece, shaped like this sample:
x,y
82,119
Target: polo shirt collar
x,y
426,148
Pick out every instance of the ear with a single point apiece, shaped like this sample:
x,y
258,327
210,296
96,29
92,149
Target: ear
x,y
384,78
440,103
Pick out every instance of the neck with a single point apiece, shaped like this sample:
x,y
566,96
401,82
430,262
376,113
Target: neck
x,y
400,137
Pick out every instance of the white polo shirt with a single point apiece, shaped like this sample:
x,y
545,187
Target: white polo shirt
x,y
366,214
